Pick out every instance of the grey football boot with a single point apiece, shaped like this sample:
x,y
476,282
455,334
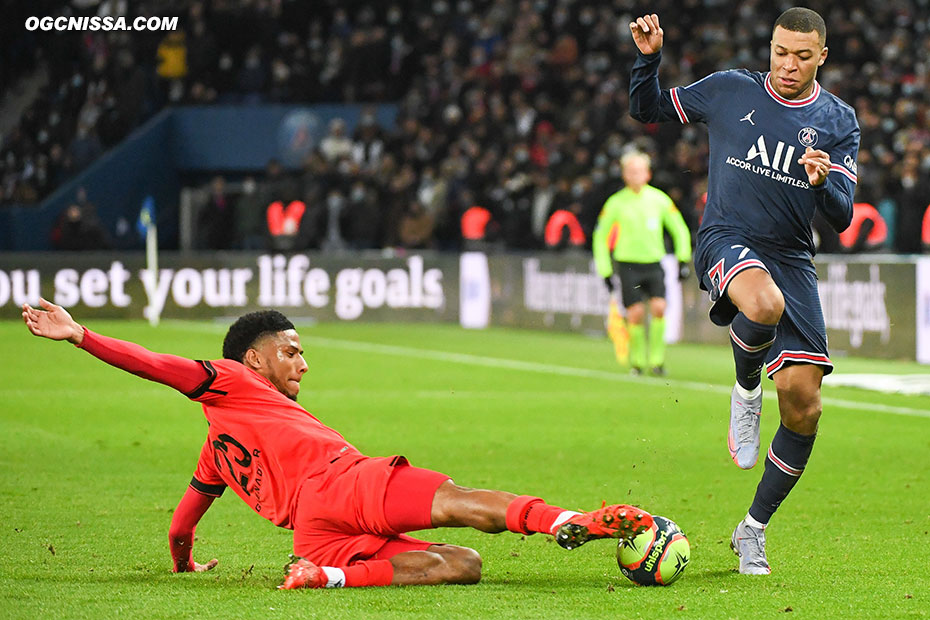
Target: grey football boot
x,y
749,544
743,438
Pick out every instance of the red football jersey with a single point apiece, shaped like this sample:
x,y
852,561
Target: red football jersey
x,y
260,443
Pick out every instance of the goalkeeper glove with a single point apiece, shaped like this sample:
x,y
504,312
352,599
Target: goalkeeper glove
x,y
684,270
609,281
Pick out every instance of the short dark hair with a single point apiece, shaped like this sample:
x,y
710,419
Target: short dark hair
x,y
248,328
799,19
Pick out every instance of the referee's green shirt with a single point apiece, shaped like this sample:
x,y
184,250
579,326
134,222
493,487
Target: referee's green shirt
x,y
641,218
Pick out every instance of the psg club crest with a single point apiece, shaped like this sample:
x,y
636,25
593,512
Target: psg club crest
x,y
807,136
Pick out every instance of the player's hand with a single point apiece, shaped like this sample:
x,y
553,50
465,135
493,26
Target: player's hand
x,y
647,34
52,322
194,567
609,283
684,271
816,164
202,568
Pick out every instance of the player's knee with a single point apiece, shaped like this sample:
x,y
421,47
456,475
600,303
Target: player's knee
x,y
454,564
766,306
636,313
465,566
800,409
802,420
657,307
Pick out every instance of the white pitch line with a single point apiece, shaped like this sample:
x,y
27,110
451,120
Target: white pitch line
x,y
587,373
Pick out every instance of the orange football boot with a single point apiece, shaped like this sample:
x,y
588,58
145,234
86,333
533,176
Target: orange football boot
x,y
615,521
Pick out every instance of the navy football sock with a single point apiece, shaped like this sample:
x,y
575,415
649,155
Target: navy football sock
x,y
750,341
784,464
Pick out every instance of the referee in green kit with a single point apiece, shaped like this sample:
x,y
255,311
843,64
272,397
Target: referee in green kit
x,y
632,224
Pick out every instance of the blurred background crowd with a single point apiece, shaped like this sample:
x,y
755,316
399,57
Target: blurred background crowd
x,y
517,106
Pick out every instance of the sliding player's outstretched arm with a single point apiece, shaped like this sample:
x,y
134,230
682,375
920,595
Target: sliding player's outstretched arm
x,y
181,533
55,323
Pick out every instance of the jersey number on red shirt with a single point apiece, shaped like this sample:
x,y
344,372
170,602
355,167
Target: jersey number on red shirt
x,y
221,449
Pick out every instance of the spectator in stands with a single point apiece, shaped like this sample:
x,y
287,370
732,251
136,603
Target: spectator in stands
x,y
336,145
362,218
78,229
85,148
250,217
415,230
279,184
911,195
253,76
216,222
315,222
368,142
172,65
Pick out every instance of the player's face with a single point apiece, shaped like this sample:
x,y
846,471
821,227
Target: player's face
x,y
794,59
282,361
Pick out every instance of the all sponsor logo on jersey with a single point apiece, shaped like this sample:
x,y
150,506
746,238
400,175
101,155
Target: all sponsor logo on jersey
x,y
807,136
776,161
772,163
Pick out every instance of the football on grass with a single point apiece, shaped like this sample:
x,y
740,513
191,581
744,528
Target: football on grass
x,y
657,557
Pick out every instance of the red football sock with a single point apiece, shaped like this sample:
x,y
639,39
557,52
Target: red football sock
x,y
528,515
541,516
369,573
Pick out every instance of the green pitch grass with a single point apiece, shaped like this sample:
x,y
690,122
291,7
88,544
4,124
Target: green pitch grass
x,y
94,461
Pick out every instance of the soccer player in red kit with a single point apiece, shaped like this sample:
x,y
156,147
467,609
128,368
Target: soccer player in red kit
x,y
349,512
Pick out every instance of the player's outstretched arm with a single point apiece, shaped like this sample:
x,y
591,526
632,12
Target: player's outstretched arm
x,y
181,533
55,323
647,34
52,322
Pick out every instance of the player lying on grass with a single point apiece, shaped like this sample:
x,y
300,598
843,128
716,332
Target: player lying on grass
x,y
349,512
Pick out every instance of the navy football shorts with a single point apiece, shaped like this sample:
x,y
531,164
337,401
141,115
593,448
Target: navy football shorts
x,y
801,337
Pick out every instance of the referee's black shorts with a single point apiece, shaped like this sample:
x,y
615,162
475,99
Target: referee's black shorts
x,y
640,281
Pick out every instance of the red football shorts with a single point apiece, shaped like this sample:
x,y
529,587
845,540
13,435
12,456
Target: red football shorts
x,y
360,509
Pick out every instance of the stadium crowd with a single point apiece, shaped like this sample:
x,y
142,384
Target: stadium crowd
x,y
519,107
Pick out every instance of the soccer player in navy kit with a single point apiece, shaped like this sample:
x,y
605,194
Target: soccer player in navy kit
x,y
780,148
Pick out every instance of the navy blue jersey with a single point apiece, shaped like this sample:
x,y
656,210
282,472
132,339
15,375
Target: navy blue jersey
x,y
756,187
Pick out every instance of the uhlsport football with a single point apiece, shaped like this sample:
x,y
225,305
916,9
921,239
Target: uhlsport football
x,y
658,556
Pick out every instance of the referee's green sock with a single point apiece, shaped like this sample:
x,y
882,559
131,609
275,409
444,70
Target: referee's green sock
x,y
656,342
637,345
